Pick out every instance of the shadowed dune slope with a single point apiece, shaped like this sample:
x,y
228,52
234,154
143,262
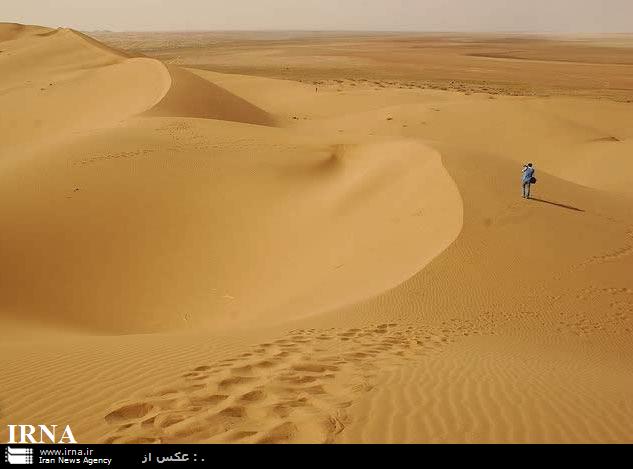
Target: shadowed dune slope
x,y
192,96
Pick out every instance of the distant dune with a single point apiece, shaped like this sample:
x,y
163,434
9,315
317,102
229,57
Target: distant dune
x,y
11,31
193,256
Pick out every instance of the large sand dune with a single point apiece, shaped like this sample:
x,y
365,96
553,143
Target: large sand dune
x,y
189,256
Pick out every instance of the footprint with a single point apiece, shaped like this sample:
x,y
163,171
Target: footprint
x,y
130,411
314,367
234,412
211,400
264,364
314,390
202,368
167,420
294,381
300,379
280,434
234,381
253,396
240,435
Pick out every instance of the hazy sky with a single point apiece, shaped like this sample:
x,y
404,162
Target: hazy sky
x,y
389,15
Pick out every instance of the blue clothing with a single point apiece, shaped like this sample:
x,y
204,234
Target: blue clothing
x,y
526,189
526,180
527,174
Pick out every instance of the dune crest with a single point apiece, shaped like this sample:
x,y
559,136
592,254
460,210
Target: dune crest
x,y
11,31
99,46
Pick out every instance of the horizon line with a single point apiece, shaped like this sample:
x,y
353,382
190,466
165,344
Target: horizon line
x,y
312,30
382,31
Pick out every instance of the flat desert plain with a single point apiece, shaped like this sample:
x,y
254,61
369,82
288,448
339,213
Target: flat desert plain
x,y
316,237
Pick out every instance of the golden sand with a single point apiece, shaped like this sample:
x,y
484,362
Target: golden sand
x,y
194,256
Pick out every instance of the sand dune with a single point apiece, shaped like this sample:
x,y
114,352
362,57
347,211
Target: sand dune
x,y
189,256
290,190
191,96
11,31
61,83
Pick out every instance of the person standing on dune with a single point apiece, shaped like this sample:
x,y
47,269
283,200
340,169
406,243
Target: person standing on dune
x,y
527,180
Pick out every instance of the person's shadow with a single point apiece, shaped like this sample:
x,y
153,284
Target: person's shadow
x,y
568,207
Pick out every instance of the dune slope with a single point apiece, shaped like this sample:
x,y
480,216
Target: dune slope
x,y
242,220
191,96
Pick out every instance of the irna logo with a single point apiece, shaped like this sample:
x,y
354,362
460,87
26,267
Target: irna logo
x,y
40,434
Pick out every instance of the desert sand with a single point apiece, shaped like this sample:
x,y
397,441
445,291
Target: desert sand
x,y
316,238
